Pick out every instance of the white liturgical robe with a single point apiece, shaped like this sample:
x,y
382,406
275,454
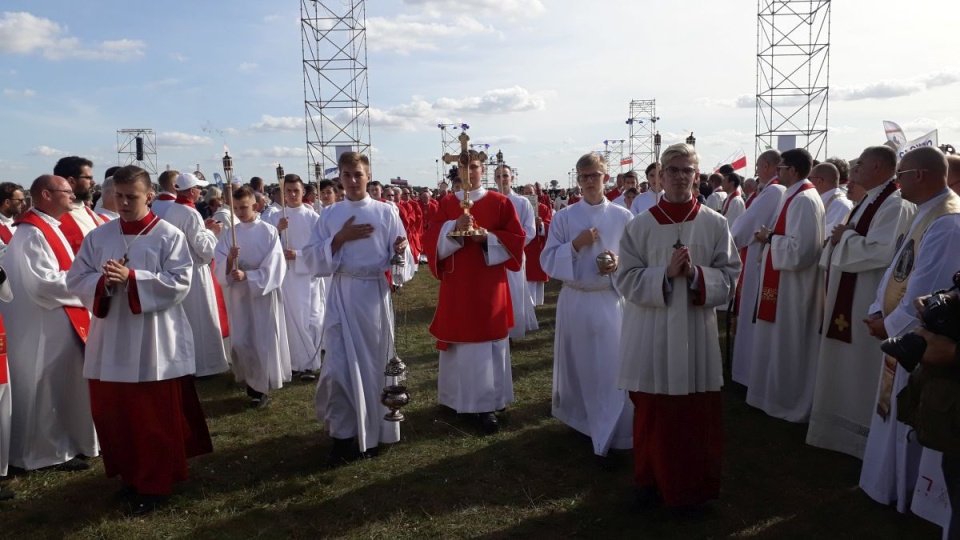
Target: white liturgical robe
x,y
358,323
836,208
303,305
258,333
589,315
845,394
161,276
52,422
643,201
5,399
784,370
669,343
759,214
201,303
524,316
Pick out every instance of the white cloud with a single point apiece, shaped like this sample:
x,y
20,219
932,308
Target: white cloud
x,y
406,33
177,57
274,152
24,33
25,93
511,9
503,139
498,100
925,125
278,123
248,66
176,138
44,150
420,114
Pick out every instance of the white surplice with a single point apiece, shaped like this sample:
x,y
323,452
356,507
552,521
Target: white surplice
x,y
158,344
784,371
303,303
358,323
715,200
836,208
668,345
258,333
160,206
892,456
760,213
201,303
524,314
735,208
589,317
52,422
845,393
645,200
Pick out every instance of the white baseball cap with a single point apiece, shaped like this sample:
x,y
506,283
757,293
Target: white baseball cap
x,y
188,180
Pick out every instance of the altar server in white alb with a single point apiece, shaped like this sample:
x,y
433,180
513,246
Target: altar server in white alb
x,y
5,399
524,314
303,303
201,304
134,273
677,263
589,313
251,274
47,327
855,257
354,242
759,213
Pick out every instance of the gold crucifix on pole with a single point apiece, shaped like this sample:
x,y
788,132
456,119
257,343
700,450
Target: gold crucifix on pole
x,y
463,166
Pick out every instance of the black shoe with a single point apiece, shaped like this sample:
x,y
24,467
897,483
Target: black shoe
x,y
343,452
6,494
261,402
142,505
125,492
489,423
307,376
371,453
74,465
647,497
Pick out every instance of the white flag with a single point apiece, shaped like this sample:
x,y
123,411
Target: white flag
x,y
930,139
894,133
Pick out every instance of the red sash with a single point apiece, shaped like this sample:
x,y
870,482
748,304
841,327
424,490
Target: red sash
x,y
184,200
104,217
726,203
79,317
221,303
5,234
4,379
743,251
767,310
71,229
841,319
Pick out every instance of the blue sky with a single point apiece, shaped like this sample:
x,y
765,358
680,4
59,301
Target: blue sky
x,y
542,80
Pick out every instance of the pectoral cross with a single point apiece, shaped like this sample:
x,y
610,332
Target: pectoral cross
x,y
841,323
679,244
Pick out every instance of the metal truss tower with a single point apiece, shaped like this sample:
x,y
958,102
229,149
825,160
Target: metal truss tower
x,y
793,74
643,124
613,153
449,143
137,147
336,97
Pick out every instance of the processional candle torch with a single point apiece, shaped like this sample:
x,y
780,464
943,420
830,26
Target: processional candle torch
x,y
317,175
283,205
395,395
228,174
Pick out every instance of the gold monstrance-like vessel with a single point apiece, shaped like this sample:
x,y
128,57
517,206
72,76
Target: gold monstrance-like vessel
x,y
463,166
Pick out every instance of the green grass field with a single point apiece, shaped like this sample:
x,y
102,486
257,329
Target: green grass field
x,y
534,479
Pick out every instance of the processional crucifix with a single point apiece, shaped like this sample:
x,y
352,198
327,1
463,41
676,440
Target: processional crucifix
x,y
463,166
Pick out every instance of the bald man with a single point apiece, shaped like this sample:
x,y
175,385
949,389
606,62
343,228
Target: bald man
x,y
928,256
953,172
836,206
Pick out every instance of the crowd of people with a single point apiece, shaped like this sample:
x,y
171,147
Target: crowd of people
x,y
115,300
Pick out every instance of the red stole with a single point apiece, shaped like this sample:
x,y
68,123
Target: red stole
x,y
184,200
79,317
767,310
71,229
743,251
726,203
841,319
5,234
166,197
105,217
3,354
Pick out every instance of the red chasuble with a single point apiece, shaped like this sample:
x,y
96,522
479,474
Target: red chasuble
x,y
79,317
71,230
767,311
474,304
535,248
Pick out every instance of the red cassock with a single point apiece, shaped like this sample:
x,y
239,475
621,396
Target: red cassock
x,y
535,247
428,211
474,304
416,226
407,220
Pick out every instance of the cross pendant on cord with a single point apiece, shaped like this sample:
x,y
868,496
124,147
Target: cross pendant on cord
x,y
679,244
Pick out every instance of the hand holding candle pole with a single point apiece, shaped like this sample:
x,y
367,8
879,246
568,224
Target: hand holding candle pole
x,y
228,173
283,203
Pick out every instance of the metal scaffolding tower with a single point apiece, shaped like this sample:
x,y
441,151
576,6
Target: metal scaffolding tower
x,y
643,124
793,74
449,143
613,153
336,97
137,147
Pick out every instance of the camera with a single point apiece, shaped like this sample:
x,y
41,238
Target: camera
x,y
941,315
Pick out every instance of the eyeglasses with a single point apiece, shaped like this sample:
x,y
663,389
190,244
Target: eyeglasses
x,y
687,172
905,171
18,201
593,177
